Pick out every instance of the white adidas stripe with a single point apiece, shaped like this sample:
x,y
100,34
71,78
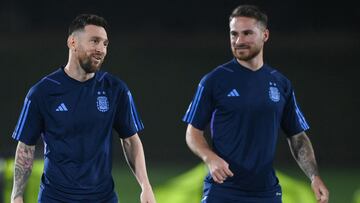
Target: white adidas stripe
x,y
233,93
61,107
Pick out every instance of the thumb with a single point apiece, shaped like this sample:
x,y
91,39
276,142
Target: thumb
x,y
324,194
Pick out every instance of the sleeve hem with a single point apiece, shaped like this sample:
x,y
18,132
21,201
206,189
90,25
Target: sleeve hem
x,y
290,134
129,134
195,125
24,141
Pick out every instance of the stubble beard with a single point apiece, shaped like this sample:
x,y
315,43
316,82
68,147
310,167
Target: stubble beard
x,y
89,66
252,53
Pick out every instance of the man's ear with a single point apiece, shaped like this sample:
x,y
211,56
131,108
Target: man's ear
x,y
71,42
266,35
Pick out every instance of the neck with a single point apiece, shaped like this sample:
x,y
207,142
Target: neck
x,y
253,64
74,70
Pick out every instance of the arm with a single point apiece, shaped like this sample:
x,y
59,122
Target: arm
x,y
219,168
134,155
24,159
303,153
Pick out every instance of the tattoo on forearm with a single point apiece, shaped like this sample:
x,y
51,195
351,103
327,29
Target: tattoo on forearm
x,y
303,152
24,159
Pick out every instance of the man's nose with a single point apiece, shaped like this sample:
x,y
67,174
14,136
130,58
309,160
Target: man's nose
x,y
239,39
100,48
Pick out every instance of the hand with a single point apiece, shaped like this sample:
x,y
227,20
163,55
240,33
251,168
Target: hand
x,y
17,200
147,195
219,169
320,190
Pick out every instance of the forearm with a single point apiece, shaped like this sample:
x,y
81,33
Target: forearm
x,y
135,157
197,143
303,153
24,159
218,168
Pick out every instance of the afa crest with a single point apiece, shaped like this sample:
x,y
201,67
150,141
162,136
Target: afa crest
x,y
102,103
274,92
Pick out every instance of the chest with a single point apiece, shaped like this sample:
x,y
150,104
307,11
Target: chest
x,y
79,109
256,95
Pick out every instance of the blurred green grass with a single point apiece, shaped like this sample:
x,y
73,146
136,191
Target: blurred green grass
x,y
128,189
342,183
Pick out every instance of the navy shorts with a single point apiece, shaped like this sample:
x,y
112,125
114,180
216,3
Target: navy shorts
x,y
214,193
43,198
214,199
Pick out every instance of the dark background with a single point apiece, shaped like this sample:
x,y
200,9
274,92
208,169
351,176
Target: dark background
x,y
161,49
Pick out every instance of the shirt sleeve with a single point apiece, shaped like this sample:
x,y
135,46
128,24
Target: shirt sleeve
x,y
200,109
30,123
293,120
127,121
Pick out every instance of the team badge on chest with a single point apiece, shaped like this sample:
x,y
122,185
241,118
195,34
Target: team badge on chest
x,y
102,102
274,93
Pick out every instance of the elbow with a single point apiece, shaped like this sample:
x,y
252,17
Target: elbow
x,y
192,135
188,139
189,136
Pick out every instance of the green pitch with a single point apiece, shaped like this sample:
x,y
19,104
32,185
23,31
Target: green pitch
x,y
184,185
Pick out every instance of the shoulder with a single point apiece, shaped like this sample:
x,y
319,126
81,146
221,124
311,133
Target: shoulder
x,y
218,73
277,75
111,80
44,84
282,81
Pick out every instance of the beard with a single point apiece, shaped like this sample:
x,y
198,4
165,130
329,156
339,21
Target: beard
x,y
245,52
89,65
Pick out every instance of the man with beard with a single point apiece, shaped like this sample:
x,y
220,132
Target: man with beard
x,y
74,109
246,102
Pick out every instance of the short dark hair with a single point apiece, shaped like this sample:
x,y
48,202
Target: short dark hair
x,y
82,20
250,11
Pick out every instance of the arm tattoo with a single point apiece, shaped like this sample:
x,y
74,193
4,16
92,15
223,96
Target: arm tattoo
x,y
303,153
24,159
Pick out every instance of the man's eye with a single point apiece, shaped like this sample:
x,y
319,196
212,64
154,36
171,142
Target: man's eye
x,y
248,33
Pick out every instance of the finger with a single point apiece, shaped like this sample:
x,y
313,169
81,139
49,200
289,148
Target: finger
x,y
321,198
217,178
324,194
223,174
214,177
229,172
324,198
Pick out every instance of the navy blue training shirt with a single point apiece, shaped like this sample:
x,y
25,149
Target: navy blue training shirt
x,y
245,110
75,120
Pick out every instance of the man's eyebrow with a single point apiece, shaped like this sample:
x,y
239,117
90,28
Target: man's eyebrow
x,y
99,38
